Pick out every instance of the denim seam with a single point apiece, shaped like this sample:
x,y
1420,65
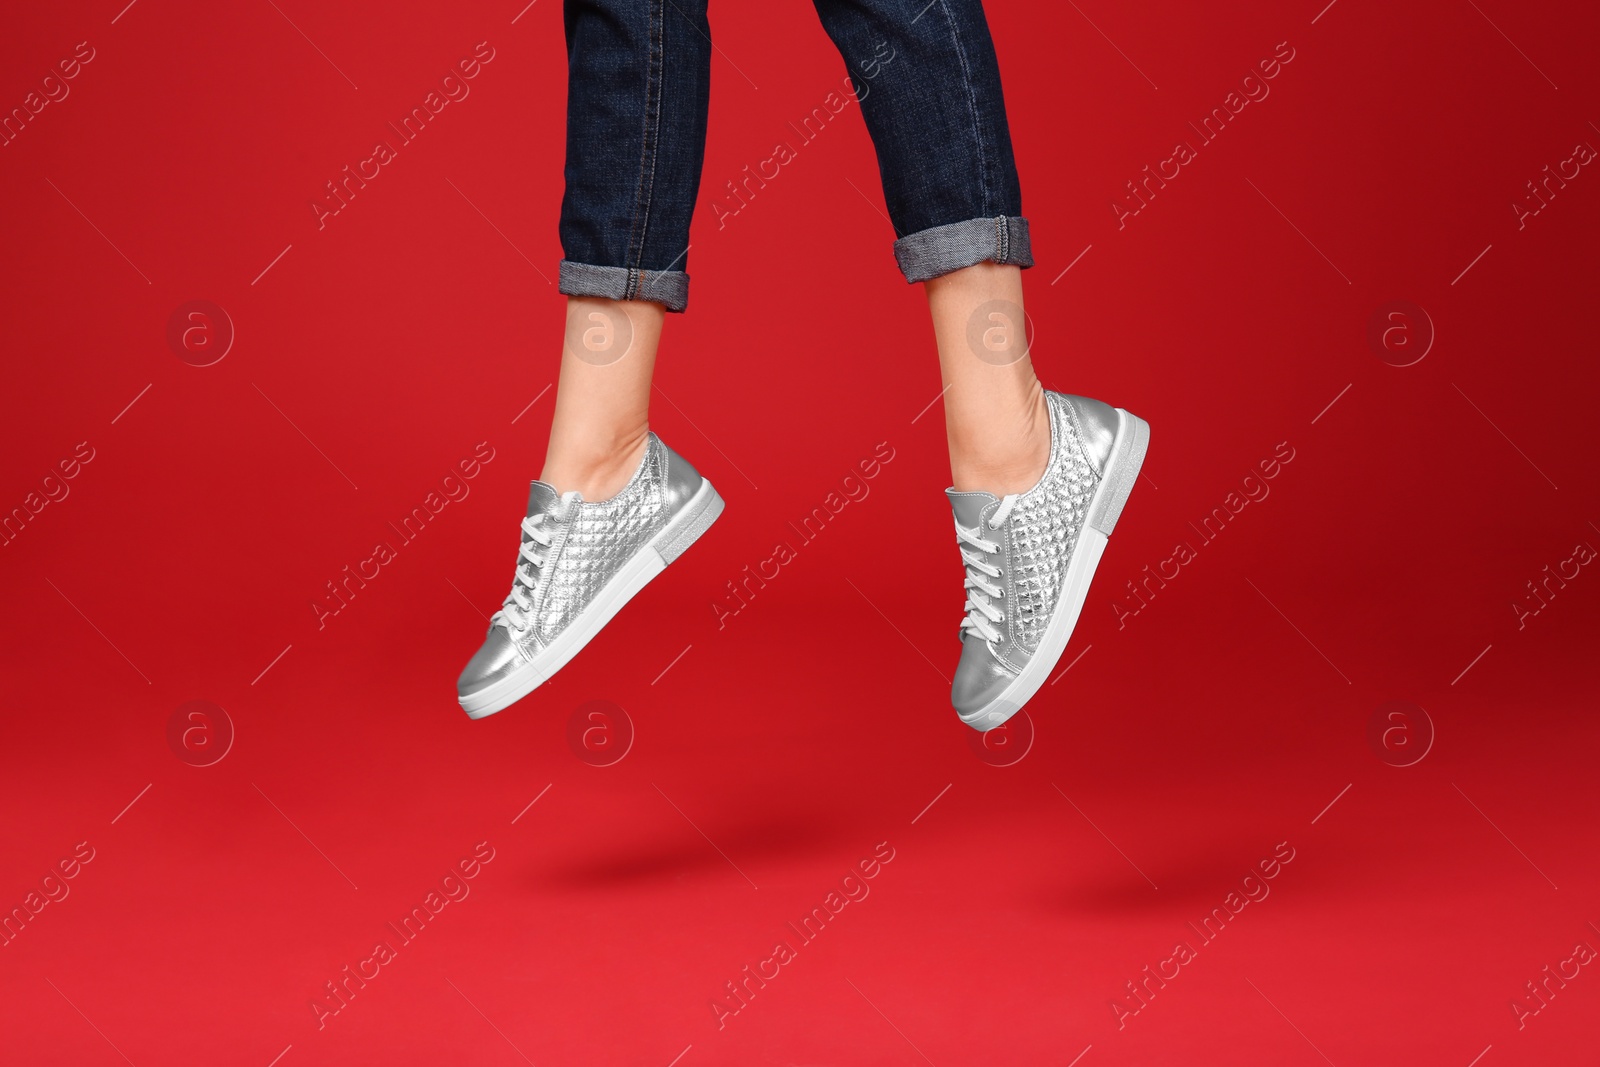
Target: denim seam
x,y
650,143
972,103
669,288
655,144
939,250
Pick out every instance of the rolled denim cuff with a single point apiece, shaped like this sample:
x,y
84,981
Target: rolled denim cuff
x,y
942,249
669,288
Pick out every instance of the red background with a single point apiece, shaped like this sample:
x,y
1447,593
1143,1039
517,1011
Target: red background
x,y
1181,748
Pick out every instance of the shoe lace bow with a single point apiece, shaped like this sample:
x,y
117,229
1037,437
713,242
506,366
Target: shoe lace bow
x,y
538,530
982,584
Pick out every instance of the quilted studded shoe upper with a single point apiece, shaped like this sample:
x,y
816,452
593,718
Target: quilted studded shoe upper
x,y
570,549
1016,550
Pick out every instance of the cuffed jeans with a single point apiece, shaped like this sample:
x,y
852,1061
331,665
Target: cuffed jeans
x,y
638,83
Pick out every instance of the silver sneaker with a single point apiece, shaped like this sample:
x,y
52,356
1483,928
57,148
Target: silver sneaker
x,y
1030,556
579,563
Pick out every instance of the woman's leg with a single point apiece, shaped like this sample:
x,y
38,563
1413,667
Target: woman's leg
x,y
995,417
613,504
602,419
1039,477
638,82
929,85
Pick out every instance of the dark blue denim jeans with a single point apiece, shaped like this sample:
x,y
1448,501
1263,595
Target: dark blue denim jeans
x,y
638,82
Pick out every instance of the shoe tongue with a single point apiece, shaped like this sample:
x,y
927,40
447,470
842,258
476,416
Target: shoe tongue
x,y
542,498
968,507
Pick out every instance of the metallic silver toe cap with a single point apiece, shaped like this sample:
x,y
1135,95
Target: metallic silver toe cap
x,y
496,659
980,679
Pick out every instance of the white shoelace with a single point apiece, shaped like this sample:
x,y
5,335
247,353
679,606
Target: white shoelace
x,y
514,613
982,613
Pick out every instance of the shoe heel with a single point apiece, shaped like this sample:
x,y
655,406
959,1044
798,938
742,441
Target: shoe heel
x,y
698,515
1122,470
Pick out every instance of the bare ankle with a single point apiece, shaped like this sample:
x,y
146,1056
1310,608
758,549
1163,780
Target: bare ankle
x,y
1006,459
596,472
1001,479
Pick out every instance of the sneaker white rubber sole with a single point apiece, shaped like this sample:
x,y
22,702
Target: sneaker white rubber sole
x,y
685,528
1105,508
